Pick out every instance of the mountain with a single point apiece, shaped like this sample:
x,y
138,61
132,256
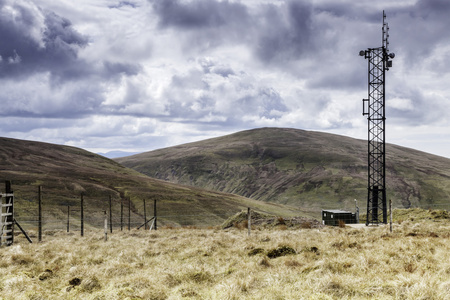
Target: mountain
x,y
116,154
65,172
309,170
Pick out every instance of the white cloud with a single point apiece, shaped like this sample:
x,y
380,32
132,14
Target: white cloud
x,y
143,74
401,104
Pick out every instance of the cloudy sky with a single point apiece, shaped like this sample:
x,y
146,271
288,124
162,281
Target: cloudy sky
x,y
139,75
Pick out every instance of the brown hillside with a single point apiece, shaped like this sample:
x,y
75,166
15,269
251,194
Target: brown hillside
x,y
66,172
311,170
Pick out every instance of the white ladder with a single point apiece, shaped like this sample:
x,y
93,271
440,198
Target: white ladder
x,y
6,219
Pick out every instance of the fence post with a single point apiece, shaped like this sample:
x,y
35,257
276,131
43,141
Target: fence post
x,y
145,217
390,211
106,227
68,218
121,214
249,215
110,215
152,223
154,213
39,213
82,214
129,214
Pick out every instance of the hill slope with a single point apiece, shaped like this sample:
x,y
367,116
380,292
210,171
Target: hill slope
x,y
311,170
66,172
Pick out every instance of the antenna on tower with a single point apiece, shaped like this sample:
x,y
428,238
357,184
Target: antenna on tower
x,y
385,33
379,60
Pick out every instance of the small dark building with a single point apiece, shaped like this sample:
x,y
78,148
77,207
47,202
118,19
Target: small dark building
x,y
333,216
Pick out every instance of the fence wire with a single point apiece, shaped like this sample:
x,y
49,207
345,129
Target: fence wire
x,y
124,214
95,219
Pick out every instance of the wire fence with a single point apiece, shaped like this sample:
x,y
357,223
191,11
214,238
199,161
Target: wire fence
x,y
95,219
70,219
124,214
73,223
121,214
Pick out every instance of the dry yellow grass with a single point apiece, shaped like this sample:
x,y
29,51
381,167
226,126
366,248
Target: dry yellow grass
x,y
413,262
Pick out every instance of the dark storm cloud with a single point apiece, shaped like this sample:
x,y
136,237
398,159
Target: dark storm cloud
x,y
199,13
419,29
348,10
35,47
431,8
42,41
277,33
116,68
205,24
285,31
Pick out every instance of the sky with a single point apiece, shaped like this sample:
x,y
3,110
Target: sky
x,y
139,75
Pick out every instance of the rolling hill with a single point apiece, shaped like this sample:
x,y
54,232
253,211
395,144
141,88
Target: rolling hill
x,y
309,170
65,172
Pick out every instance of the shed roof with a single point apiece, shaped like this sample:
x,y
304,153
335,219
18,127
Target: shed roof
x,y
337,211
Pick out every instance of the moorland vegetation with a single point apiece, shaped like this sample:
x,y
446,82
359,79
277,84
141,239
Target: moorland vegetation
x,y
412,262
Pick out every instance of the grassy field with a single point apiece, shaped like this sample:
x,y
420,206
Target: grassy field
x,y
413,262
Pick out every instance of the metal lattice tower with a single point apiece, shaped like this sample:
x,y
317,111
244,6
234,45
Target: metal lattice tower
x,y
374,108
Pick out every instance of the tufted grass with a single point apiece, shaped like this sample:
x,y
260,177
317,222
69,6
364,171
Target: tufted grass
x,y
413,262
